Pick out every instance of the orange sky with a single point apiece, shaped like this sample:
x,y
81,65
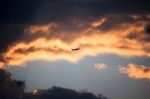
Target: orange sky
x,y
126,39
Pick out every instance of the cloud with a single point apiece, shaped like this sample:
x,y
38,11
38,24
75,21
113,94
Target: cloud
x,y
42,29
136,71
100,66
98,22
53,41
47,30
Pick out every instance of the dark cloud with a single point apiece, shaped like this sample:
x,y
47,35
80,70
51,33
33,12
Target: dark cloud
x,y
18,11
25,11
9,34
72,18
147,29
131,36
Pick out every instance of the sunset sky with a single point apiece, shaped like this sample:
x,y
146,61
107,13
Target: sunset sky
x,y
37,38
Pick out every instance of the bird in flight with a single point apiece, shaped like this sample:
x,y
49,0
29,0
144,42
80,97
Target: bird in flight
x,y
74,49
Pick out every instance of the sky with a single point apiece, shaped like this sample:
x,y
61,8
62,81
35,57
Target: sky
x,y
37,38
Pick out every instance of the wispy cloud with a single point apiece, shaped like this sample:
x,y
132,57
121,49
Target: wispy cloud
x,y
98,22
136,71
100,66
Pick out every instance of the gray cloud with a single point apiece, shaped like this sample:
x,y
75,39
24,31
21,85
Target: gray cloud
x,y
71,17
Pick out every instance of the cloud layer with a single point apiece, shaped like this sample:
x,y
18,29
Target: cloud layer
x,y
121,35
136,71
47,30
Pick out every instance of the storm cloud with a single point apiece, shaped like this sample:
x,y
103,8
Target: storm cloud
x,y
39,29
